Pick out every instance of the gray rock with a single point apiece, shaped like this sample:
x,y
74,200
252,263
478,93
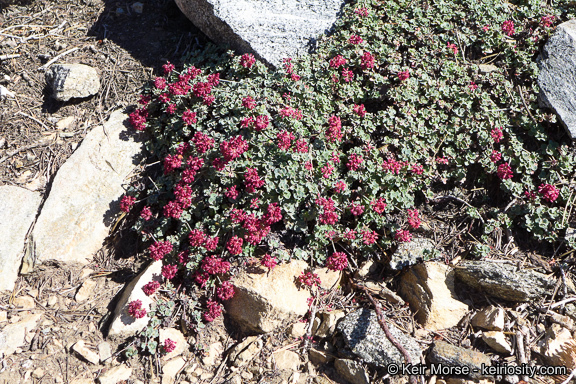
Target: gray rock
x,y
72,81
410,253
18,208
367,340
352,371
557,77
504,281
83,201
450,355
487,68
271,29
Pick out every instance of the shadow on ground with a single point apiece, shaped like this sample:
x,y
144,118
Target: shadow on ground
x,y
158,34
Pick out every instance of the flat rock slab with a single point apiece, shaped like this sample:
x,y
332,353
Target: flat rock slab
x,y
84,198
367,340
557,77
70,81
271,29
18,208
504,281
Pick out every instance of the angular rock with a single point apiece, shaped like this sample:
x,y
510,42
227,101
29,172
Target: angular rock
x,y
13,336
410,253
85,352
214,353
367,340
367,268
557,77
171,369
450,355
490,318
83,201
297,329
72,81
104,351
504,281
263,301
328,324
429,288
178,337
115,375
558,347
24,302
497,341
287,360
352,371
18,208
243,352
85,291
380,289
271,29
328,279
123,324
320,357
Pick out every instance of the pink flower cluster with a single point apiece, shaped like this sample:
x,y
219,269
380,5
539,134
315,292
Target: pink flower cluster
x,y
138,119
497,134
150,288
248,102
268,261
146,213
168,346
285,139
334,132
291,112
340,186
172,162
453,47
247,60
392,165
337,61
361,11
508,28
356,209
135,309
504,171
328,215
169,271
252,181
379,205
193,165
369,237
355,40
225,291
403,236
549,192
404,75
126,203
214,311
360,110
234,245
495,156
413,219
202,142
160,249
354,162
309,279
337,262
